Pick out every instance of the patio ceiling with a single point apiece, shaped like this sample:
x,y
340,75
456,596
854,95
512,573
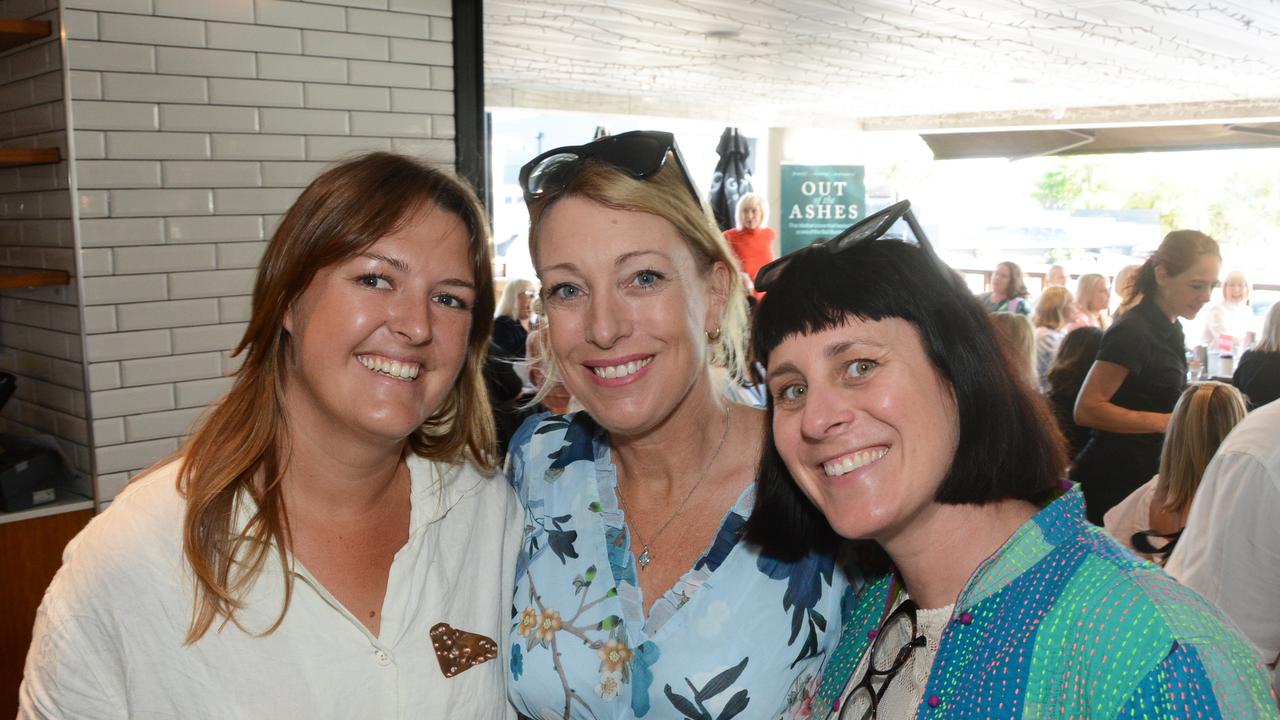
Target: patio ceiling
x,y
882,64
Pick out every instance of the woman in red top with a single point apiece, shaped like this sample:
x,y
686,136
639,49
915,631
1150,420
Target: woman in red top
x,y
751,241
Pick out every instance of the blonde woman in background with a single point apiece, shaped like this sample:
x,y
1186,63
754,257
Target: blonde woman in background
x,y
752,240
1056,277
1124,290
1020,339
513,318
1230,320
1150,520
333,525
1052,310
1093,298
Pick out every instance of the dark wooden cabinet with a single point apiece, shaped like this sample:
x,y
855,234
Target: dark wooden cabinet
x,y
30,554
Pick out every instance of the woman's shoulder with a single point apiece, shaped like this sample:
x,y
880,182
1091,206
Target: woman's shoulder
x,y
547,443
1138,617
1128,592
133,546
149,508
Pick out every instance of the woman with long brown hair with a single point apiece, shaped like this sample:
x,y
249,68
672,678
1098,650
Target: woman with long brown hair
x,y
1141,370
330,542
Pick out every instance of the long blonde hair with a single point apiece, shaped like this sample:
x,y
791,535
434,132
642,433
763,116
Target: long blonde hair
x,y
1019,339
1086,287
241,447
1205,413
1269,339
1053,308
508,304
665,195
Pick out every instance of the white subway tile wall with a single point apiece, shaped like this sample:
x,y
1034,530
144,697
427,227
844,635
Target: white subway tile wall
x,y
197,124
40,329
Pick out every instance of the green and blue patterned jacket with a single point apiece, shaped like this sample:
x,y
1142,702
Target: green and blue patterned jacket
x,y
1063,622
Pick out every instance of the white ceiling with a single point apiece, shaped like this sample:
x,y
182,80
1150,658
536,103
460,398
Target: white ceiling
x,y
888,63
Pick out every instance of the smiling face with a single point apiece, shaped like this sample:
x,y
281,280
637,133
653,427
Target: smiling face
x,y
865,424
628,309
378,340
1183,295
1234,290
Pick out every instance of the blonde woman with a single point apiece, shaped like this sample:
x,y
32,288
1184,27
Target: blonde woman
x,y
1093,297
1150,520
1020,340
332,528
1229,322
752,240
1125,291
514,318
1052,310
1258,374
636,594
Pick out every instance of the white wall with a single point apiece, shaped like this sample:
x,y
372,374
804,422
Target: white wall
x,y
196,123
40,339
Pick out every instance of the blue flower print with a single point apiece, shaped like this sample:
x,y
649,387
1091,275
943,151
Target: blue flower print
x,y
805,581
577,444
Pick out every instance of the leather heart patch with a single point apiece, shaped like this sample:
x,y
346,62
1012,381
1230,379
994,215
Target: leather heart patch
x,y
459,650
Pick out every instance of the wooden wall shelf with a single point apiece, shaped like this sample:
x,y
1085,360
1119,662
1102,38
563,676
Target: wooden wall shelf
x,y
13,157
12,278
19,32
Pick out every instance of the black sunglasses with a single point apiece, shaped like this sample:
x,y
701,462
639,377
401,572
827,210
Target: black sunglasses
x,y
639,153
870,228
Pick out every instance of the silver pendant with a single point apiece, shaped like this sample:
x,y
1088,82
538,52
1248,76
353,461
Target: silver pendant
x,y
644,558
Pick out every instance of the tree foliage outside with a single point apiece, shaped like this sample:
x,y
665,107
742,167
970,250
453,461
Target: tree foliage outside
x,y
1239,207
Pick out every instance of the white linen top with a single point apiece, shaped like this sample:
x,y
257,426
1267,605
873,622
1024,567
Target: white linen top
x,y
108,639
1230,549
1132,515
1224,318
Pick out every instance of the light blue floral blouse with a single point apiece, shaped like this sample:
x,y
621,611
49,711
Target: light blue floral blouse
x,y
739,633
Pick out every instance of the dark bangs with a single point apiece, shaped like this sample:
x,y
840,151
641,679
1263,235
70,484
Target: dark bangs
x,y
1009,443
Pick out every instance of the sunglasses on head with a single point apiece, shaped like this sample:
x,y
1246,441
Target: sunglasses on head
x,y
869,229
639,153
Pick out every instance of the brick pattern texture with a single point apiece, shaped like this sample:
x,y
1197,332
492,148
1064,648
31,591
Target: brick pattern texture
x,y
40,329
195,123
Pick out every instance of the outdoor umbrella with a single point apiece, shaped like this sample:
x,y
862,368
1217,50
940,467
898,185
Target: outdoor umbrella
x,y
732,179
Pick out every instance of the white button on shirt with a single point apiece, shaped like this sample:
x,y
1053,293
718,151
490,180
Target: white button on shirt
x,y
109,633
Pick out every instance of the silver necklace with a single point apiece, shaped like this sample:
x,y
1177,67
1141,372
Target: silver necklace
x,y
645,556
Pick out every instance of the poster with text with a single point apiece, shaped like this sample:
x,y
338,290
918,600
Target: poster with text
x,y
818,201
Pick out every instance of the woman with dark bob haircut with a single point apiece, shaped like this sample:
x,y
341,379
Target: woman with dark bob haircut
x,y
895,417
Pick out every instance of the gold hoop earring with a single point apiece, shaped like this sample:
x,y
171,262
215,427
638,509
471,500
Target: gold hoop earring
x,y
714,335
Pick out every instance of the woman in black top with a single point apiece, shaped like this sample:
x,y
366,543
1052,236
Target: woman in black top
x,y
512,322
1140,371
1075,357
1258,374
